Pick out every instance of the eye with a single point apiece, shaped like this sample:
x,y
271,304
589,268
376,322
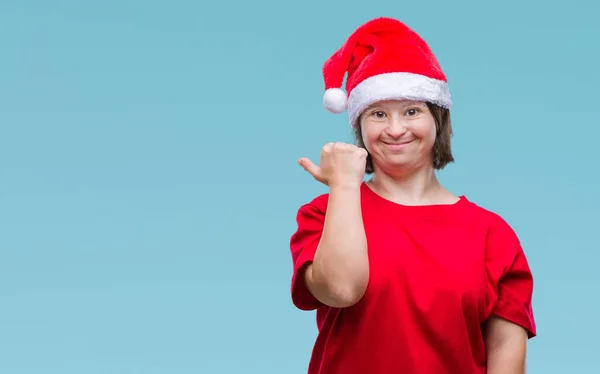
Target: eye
x,y
412,112
378,114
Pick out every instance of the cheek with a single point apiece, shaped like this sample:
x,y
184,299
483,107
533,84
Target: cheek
x,y
432,134
427,132
369,136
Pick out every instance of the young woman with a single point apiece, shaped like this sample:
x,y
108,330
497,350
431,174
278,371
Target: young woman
x,y
405,277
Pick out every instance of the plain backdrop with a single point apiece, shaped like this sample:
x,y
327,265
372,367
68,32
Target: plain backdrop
x,y
149,185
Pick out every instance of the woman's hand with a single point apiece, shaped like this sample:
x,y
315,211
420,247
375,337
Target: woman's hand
x,y
341,165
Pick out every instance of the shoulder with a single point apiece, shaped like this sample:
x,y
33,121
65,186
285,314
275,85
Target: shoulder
x,y
317,205
501,238
486,216
312,212
310,220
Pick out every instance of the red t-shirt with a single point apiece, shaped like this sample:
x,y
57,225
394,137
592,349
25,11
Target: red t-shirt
x,y
437,272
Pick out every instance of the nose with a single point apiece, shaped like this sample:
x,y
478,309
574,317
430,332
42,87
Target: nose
x,y
396,127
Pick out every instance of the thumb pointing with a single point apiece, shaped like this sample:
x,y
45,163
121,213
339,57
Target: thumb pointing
x,y
309,166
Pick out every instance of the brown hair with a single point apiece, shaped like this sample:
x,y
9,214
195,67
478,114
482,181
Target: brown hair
x,y
442,152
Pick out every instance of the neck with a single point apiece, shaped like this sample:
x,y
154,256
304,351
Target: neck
x,y
416,187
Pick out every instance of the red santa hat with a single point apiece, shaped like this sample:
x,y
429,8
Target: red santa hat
x,y
383,60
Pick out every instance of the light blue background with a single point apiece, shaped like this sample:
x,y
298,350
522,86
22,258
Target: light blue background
x,y
149,182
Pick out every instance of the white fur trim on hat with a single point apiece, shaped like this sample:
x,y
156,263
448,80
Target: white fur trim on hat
x,y
397,86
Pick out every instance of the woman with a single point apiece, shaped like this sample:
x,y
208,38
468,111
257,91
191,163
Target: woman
x,y
405,276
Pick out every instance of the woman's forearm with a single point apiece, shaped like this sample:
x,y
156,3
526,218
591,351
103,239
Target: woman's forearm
x,y
339,273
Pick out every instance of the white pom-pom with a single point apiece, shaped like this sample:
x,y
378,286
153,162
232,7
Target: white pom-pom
x,y
335,100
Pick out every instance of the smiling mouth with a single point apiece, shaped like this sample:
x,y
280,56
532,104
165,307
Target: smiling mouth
x,y
398,144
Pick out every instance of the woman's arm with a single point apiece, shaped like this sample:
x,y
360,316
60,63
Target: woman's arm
x,y
339,273
506,345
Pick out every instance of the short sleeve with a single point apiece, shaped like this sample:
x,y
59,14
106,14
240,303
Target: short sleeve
x,y
511,278
303,245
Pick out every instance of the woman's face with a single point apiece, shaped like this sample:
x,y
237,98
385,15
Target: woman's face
x,y
399,135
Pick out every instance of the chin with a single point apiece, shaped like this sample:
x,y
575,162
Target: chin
x,y
400,164
394,167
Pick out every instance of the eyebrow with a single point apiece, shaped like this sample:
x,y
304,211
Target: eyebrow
x,y
412,103
404,105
